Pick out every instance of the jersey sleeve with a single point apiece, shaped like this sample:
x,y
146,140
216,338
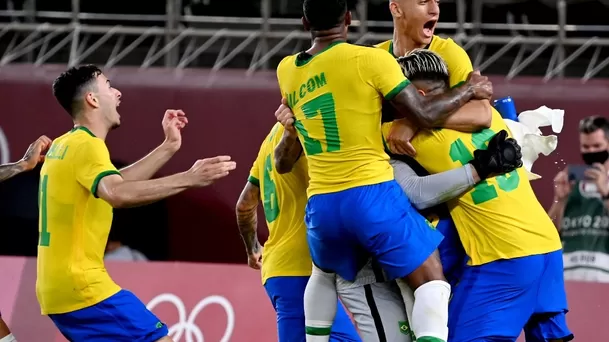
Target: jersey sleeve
x,y
458,62
381,71
257,167
92,163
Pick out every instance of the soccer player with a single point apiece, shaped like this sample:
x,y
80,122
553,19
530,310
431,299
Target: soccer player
x,y
286,264
514,276
335,90
79,186
33,155
414,23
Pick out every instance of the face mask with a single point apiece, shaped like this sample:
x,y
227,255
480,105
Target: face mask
x,y
595,157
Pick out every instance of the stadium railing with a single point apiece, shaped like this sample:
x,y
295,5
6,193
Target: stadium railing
x,y
179,40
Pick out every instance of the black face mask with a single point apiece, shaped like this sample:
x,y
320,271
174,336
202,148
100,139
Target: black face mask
x,y
595,157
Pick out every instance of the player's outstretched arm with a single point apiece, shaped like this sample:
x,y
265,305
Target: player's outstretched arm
x,y
247,220
433,111
502,156
121,193
173,122
33,155
428,191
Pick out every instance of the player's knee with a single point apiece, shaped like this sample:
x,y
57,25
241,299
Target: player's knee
x,y
430,270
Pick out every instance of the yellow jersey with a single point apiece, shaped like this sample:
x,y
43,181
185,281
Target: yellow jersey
x,y
286,252
458,62
74,224
500,218
336,97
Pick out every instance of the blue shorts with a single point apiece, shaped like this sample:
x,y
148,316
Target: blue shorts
x,y
346,228
452,254
494,302
122,317
287,296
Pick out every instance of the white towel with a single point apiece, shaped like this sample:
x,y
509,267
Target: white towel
x,y
529,137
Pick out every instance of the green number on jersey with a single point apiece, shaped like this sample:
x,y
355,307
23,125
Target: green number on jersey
x,y
483,191
45,236
324,106
270,203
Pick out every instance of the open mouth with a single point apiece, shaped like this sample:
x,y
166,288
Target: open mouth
x,y
429,27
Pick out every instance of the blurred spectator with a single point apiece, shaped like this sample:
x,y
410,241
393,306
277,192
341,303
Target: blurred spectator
x,y
116,250
581,202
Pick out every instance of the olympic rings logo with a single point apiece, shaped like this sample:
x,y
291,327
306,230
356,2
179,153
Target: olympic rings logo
x,y
186,324
5,156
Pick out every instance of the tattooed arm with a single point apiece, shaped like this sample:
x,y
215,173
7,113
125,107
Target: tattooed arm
x,y
33,155
247,220
433,110
287,152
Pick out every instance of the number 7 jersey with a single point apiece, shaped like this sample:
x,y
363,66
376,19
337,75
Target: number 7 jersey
x,y
336,97
500,218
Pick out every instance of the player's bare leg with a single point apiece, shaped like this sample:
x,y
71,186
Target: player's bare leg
x,y
320,300
165,339
429,314
5,333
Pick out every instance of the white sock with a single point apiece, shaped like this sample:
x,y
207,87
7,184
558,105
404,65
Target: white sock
x,y
8,338
430,311
320,299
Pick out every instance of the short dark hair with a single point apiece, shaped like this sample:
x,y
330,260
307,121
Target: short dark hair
x,y
593,123
424,65
70,85
324,14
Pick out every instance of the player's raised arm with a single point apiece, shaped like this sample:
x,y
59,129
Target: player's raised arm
x,y
33,155
173,122
121,193
289,149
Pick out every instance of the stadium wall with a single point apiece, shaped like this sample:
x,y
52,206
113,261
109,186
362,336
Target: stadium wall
x,y
211,302
230,113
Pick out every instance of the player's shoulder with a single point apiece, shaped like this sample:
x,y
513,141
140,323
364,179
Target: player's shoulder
x,y
445,46
287,61
385,46
272,139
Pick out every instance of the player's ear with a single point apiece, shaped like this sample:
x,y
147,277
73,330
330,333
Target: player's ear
x,y
421,92
395,9
92,100
305,24
348,18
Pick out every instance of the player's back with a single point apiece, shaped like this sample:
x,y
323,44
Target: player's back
x,y
73,225
336,97
499,218
286,252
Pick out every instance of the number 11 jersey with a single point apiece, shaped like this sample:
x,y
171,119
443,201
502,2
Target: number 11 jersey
x,y
74,224
336,96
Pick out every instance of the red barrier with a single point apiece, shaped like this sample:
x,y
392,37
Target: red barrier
x,y
230,114
221,303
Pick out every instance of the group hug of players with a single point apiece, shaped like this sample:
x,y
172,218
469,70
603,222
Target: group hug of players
x,y
425,226
445,241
